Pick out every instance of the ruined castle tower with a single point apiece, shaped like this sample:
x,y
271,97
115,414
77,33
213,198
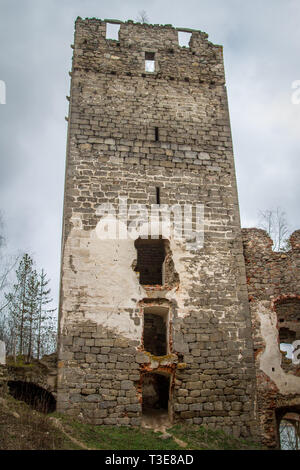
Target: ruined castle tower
x,y
152,324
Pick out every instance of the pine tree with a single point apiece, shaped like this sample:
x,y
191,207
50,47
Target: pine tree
x,y
32,311
30,325
44,314
18,299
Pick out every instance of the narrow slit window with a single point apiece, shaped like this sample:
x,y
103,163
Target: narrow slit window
x,y
112,31
184,39
156,134
157,195
149,62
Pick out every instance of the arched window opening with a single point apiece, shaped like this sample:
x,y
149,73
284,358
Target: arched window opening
x,y
288,421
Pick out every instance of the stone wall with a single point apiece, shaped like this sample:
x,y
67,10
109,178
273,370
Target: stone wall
x,y
42,372
273,280
3,379
114,151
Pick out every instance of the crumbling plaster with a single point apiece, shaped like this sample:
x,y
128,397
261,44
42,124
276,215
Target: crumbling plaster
x,y
270,359
106,266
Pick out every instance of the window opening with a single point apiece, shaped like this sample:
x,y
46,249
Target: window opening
x,y
155,330
112,31
150,257
149,62
157,195
288,426
289,329
184,39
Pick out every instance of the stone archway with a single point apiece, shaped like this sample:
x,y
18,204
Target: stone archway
x,y
288,427
35,396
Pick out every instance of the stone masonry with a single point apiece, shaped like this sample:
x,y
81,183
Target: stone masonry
x,y
273,280
149,136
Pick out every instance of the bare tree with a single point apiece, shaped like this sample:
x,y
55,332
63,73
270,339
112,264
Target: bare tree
x,y
275,223
289,434
7,264
142,17
2,238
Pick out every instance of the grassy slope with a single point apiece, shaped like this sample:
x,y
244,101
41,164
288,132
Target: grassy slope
x,y
21,428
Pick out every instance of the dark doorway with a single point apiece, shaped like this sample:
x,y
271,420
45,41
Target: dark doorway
x,y
155,392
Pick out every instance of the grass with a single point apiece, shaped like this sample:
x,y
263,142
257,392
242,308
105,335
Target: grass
x,y
19,362
203,438
116,438
22,428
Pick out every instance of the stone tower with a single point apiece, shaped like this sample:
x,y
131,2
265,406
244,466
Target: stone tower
x,y
152,324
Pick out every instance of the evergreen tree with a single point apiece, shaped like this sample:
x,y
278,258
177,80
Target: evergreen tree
x,y
32,311
30,327
18,299
44,314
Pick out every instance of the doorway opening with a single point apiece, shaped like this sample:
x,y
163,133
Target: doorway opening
x,y
156,400
288,422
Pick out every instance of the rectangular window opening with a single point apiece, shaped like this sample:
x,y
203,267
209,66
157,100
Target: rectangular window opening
x,y
184,39
112,31
155,330
150,258
149,62
156,134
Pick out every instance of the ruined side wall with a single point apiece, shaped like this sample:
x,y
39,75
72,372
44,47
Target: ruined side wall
x,y
273,280
114,108
3,379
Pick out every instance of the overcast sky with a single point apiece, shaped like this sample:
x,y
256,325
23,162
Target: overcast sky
x,y
261,42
